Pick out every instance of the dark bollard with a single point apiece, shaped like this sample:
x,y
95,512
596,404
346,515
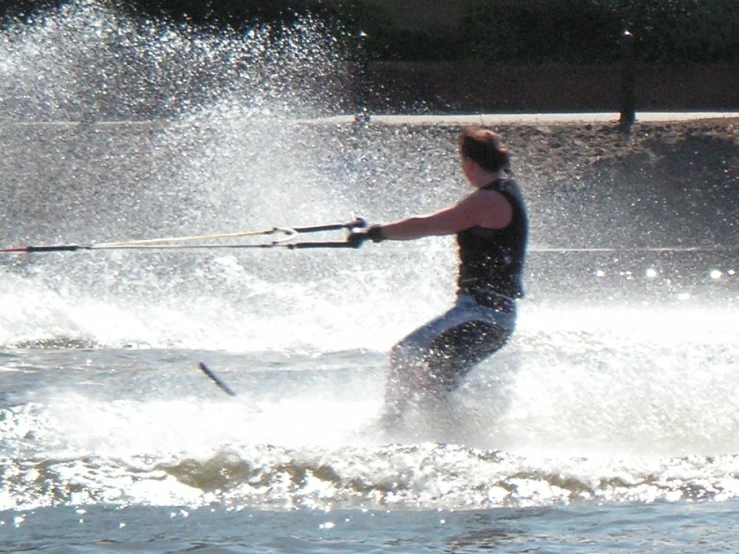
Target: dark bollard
x,y
628,83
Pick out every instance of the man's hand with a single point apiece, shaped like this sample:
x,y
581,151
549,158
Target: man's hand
x,y
373,233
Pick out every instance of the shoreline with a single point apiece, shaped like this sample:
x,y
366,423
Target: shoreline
x,y
560,118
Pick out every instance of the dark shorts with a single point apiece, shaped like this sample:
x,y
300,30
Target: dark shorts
x,y
436,357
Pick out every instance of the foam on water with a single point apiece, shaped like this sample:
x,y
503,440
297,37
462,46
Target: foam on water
x,y
561,416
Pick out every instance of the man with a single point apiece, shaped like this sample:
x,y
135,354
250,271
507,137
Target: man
x,y
491,226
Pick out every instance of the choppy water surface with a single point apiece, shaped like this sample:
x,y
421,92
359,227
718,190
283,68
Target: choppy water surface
x,y
608,424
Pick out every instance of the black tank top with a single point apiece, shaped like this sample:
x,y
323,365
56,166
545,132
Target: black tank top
x,y
492,260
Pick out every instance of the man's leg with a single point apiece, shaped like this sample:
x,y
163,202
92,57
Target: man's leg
x,y
456,351
435,359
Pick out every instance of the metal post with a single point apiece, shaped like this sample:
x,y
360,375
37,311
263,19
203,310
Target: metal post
x,y
360,92
628,83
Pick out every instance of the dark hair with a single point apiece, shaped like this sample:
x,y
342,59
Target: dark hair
x,y
484,147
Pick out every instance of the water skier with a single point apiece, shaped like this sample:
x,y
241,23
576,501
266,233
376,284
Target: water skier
x,y
491,227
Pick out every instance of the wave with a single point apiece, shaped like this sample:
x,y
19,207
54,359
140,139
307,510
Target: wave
x,y
534,427
424,476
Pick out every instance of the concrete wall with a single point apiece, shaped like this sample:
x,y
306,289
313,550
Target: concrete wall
x,y
464,88
416,14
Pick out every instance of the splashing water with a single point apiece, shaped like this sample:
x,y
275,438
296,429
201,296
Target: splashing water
x,y
86,62
205,138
